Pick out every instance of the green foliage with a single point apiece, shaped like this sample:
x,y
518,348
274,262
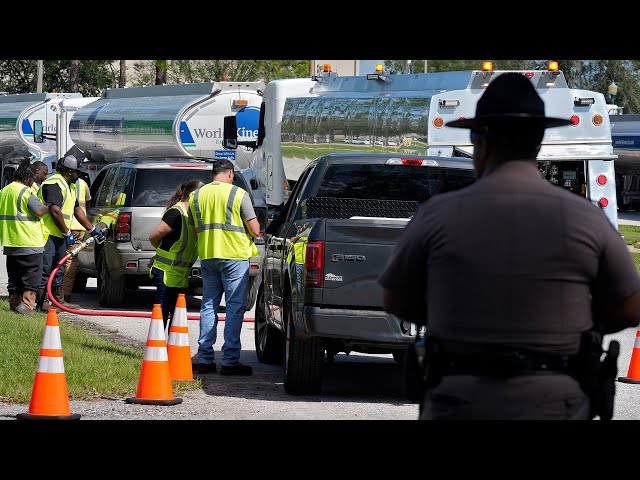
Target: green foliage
x,y
195,71
636,260
631,233
21,76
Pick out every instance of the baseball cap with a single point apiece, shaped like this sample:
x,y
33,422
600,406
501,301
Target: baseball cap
x,y
69,162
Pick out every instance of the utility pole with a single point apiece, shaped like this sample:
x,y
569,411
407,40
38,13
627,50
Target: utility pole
x,y
40,75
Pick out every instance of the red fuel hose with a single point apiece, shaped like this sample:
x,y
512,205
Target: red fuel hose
x,y
105,313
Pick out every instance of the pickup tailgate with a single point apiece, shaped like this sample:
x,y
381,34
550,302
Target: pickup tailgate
x,y
356,250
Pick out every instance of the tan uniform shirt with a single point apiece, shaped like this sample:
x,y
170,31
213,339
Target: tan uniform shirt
x,y
512,260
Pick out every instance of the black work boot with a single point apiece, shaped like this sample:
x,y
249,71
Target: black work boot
x,y
43,303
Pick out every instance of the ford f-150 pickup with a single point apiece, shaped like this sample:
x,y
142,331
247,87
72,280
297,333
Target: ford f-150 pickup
x,y
325,249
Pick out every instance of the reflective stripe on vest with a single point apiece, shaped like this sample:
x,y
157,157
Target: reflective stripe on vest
x,y
178,260
18,226
221,231
68,203
82,201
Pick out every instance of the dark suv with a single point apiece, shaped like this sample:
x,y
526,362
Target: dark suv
x,y
129,197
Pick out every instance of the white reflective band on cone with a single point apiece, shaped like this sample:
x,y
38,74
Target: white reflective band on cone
x,y
50,365
51,338
179,317
156,330
156,354
179,339
636,344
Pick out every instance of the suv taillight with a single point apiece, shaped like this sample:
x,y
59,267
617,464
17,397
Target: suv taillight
x,y
314,264
123,228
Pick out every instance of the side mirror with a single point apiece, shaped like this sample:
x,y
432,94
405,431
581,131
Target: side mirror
x,y
230,133
38,135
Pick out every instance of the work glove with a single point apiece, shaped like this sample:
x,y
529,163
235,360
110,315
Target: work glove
x,y
69,238
96,232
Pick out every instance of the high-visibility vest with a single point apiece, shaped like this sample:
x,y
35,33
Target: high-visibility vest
x,y
81,192
299,249
35,187
68,203
176,262
18,226
215,208
110,217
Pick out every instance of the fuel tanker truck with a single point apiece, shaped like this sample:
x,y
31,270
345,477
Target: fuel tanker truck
x,y
18,114
184,120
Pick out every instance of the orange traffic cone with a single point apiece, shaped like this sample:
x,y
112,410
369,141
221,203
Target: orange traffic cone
x,y
178,347
154,387
633,375
49,397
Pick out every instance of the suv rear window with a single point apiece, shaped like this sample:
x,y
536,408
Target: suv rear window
x,y
391,182
154,187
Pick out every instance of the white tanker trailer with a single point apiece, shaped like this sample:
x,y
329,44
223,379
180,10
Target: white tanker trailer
x,y
168,120
17,115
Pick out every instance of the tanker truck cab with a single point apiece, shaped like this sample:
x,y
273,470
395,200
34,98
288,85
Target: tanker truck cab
x,y
578,157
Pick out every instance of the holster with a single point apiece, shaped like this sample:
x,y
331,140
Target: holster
x,y
423,367
597,374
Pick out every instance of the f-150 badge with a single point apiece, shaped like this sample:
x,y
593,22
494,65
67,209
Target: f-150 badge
x,y
333,278
339,257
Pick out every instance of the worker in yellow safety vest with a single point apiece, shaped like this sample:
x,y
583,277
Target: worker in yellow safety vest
x,y
297,253
58,192
176,250
22,237
225,223
78,231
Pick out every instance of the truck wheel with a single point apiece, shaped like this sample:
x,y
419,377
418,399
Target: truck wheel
x,y
269,340
254,284
79,283
303,360
110,291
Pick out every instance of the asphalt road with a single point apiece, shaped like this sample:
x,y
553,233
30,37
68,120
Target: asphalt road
x,y
629,218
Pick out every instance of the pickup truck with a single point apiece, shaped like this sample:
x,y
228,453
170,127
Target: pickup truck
x,y
324,251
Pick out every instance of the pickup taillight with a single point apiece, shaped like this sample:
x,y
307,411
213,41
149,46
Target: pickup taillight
x,y
123,228
314,264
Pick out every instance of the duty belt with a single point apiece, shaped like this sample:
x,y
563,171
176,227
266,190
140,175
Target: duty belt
x,y
504,364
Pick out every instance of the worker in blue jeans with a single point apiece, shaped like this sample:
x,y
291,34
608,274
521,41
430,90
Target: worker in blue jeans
x,y
225,222
231,278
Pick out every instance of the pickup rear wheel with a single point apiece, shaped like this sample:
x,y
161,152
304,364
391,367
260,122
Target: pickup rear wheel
x,y
269,340
303,359
110,291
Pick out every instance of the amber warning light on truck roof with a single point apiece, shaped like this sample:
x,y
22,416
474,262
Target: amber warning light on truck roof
x,y
553,66
379,75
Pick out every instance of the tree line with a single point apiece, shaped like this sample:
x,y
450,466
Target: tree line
x,y
91,77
